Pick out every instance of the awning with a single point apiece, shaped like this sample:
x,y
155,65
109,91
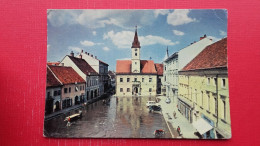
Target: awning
x,y
202,126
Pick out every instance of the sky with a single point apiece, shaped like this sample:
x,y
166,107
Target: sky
x,y
108,34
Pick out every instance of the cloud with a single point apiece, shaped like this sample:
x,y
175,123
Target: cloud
x,y
223,33
177,32
160,12
75,49
94,33
101,18
48,47
87,43
179,17
106,49
214,39
124,39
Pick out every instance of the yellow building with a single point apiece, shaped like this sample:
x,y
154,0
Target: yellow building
x,y
203,92
136,76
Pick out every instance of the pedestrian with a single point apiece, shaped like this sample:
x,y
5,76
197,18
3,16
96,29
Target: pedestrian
x,y
68,124
179,130
174,114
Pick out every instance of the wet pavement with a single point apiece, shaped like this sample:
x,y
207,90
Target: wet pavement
x,y
127,117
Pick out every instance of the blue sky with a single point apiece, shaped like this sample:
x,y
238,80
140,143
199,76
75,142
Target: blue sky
x,y
108,34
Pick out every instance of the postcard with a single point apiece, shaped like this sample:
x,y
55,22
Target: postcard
x,y
159,73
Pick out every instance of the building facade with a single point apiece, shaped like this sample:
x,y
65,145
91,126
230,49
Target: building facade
x,y
177,61
100,67
53,93
90,76
136,76
203,91
73,86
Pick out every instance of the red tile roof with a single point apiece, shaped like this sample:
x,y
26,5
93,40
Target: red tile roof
x,y
213,56
53,63
67,75
83,66
159,68
51,80
124,67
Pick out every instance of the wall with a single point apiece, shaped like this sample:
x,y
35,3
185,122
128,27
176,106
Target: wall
x,y
144,85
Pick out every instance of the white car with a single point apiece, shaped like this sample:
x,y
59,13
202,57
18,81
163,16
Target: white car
x,y
150,103
168,100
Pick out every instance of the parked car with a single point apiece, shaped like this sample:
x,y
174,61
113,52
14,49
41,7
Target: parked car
x,y
150,103
168,100
155,108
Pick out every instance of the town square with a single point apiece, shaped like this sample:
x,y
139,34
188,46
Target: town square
x,y
137,74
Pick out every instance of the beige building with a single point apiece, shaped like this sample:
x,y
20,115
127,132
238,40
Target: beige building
x,y
73,86
90,76
203,92
136,76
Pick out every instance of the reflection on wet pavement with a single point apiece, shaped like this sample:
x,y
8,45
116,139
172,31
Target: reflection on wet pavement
x,y
127,117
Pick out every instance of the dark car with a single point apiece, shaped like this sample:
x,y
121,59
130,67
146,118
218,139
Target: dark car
x,y
155,108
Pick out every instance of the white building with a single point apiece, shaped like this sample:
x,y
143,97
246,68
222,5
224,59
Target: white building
x,y
100,67
177,61
86,72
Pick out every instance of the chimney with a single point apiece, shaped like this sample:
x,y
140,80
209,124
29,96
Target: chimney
x,y
72,54
81,51
91,55
203,37
86,52
95,57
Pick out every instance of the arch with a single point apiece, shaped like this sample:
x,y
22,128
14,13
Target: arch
x,y
76,100
57,104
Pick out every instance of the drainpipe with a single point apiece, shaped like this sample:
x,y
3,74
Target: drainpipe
x,y
217,98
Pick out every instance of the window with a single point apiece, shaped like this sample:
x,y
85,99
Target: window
x,y
69,89
128,89
208,101
135,79
135,49
208,81
165,68
223,83
65,90
121,89
128,79
83,87
216,105
76,89
58,92
121,79
224,110
135,54
48,94
150,79
142,79
55,93
164,78
135,62
215,81
150,89
80,88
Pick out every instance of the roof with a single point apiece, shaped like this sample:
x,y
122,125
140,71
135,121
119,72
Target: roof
x,y
83,66
67,75
102,62
213,56
174,55
159,68
51,80
53,63
111,74
136,43
124,67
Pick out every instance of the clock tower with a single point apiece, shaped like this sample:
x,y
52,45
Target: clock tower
x,y
136,54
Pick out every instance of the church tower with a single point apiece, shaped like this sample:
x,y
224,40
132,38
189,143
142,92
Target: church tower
x,y
136,54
